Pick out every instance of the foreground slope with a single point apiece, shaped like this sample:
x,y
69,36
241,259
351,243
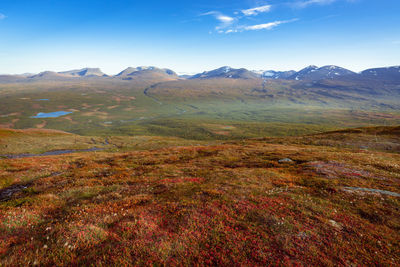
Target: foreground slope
x,y
255,202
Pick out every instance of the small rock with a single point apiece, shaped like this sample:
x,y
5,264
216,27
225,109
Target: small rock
x,y
335,224
285,160
302,235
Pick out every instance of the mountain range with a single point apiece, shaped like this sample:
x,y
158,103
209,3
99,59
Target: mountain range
x,y
146,73
226,72
310,73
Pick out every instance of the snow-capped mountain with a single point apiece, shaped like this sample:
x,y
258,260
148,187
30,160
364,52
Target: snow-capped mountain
x,y
326,72
388,73
148,74
271,74
226,72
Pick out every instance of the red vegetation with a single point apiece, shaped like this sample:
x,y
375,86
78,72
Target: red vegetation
x,y
220,205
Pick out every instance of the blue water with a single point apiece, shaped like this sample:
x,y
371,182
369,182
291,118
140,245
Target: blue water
x,y
51,114
43,99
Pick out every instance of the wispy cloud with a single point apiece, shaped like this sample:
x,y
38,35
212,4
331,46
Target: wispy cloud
x,y
306,3
257,10
267,26
2,16
258,27
397,42
223,19
234,24
302,4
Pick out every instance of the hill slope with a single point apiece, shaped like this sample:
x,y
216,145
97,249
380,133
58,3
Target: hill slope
x,y
239,203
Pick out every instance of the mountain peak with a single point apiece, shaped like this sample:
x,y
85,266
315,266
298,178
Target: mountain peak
x,y
326,72
130,71
45,74
271,74
386,73
311,67
147,73
126,71
226,72
83,72
146,68
225,69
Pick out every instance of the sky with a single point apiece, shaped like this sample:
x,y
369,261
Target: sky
x,y
193,36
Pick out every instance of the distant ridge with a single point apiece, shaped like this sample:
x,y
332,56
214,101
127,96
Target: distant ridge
x,y
84,72
226,72
388,73
154,74
145,73
135,71
271,74
325,72
126,72
46,75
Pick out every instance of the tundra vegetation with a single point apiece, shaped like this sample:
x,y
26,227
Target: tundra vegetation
x,y
181,202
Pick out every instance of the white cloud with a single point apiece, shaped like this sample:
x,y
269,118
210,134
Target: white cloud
x,y
230,24
2,16
230,31
266,26
256,10
305,3
302,4
224,19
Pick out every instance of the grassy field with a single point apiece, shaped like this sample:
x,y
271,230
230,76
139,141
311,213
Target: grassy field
x,y
308,200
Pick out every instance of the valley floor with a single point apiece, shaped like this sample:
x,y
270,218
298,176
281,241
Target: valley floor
x,y
327,199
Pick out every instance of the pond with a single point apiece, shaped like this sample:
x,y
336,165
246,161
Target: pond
x,y
51,114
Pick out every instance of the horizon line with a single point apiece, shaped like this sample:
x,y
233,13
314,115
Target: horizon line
x,y
194,73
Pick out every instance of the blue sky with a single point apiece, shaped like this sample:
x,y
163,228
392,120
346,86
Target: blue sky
x,y
193,36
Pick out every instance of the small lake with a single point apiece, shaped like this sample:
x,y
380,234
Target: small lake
x,y
51,114
43,99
